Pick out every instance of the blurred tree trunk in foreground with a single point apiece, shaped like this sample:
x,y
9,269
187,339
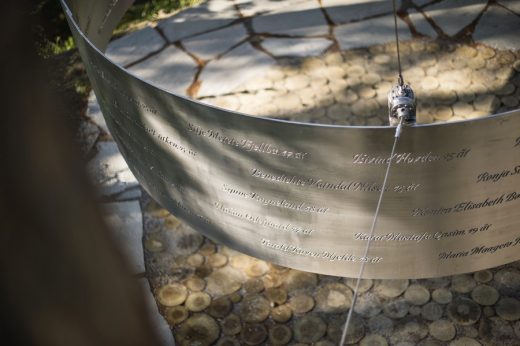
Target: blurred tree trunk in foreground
x,y
63,279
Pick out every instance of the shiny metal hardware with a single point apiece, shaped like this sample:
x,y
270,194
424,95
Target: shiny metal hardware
x,y
401,104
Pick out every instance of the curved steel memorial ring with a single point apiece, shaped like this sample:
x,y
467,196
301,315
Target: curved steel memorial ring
x,y
303,195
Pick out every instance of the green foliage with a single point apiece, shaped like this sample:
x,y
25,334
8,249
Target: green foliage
x,y
59,45
54,35
150,11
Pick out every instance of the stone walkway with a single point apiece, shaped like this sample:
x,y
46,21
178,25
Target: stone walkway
x,y
328,61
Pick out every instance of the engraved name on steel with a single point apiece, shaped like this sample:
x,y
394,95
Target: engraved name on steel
x,y
303,195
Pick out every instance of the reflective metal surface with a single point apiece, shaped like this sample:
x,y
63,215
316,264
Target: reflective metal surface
x,y
402,104
303,195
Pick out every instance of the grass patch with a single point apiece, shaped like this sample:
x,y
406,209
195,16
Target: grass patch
x,y
150,11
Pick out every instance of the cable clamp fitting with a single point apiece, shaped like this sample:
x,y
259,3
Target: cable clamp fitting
x,y
401,105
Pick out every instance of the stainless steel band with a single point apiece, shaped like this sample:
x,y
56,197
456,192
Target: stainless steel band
x,y
303,195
